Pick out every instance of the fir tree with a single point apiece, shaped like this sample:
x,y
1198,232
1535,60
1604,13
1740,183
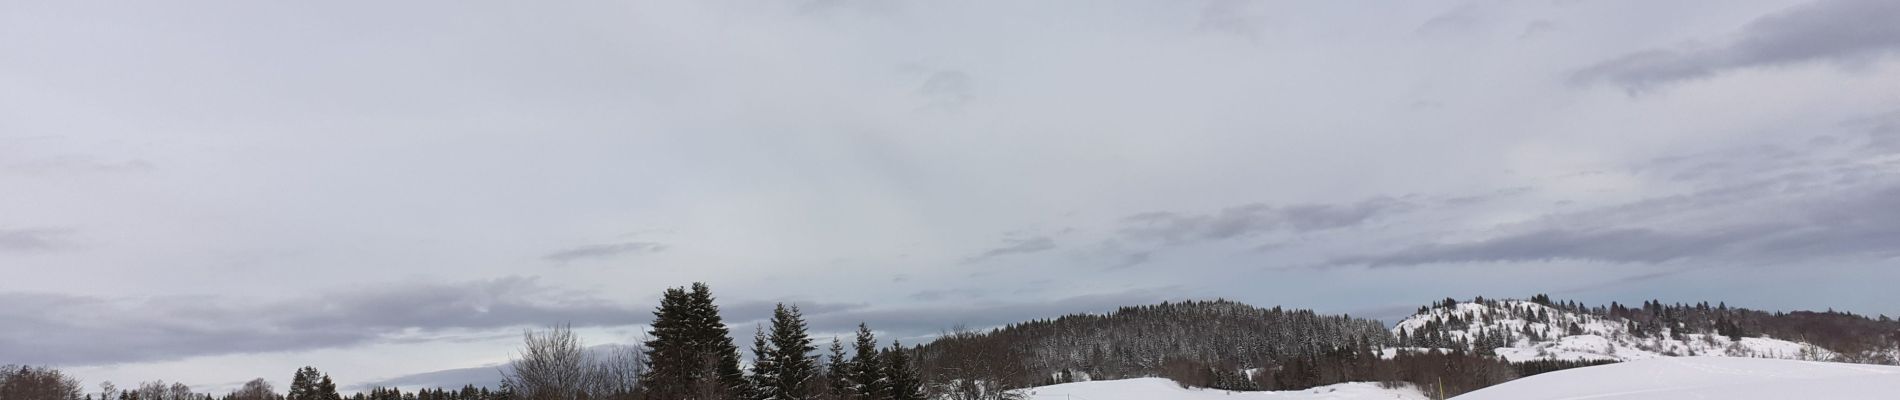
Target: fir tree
x,y
867,374
765,370
672,368
309,384
691,354
904,382
785,369
838,372
326,389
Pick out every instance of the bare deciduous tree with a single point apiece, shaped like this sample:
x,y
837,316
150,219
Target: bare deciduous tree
x,y
617,375
555,365
19,382
256,389
158,390
971,369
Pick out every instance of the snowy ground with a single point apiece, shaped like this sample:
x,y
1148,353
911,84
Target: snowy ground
x,y
1729,378
1163,389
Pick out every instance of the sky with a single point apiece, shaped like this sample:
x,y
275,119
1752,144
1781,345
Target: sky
x,y
212,191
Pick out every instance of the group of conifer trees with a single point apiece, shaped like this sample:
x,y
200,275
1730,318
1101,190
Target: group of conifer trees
x,y
691,356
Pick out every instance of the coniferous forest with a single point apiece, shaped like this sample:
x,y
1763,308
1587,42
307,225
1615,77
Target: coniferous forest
x,y
691,354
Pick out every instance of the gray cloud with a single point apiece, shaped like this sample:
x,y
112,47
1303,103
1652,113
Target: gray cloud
x,y
1253,219
1458,19
25,240
488,376
974,313
1849,223
1132,259
1826,30
1014,246
1613,245
947,88
77,164
93,330
1882,131
598,251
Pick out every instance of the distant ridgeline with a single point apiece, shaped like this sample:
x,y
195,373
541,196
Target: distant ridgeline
x,y
1459,346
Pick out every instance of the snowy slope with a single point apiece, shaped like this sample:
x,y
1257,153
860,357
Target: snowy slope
x,y
1729,378
1600,339
1164,389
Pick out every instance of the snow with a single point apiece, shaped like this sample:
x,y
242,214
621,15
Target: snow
x,y
1731,378
1602,338
1164,389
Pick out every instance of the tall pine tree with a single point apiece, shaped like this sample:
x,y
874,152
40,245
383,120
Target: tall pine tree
x,y
764,366
787,369
867,374
690,354
838,372
903,379
309,384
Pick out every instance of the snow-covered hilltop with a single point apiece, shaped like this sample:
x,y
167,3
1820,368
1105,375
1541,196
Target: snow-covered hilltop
x,y
1520,330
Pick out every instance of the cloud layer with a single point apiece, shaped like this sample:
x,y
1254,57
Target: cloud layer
x,y
1840,31
94,330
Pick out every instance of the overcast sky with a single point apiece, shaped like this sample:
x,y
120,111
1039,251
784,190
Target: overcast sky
x,y
209,192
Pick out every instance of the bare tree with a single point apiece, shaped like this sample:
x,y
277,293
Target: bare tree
x,y
972,369
256,389
19,382
158,390
555,365
617,375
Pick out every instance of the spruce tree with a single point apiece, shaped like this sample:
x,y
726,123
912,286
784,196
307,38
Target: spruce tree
x,y
867,375
691,354
326,389
904,383
716,343
309,384
765,371
672,366
793,369
297,386
838,372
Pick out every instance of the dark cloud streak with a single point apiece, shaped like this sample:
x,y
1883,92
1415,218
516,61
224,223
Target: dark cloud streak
x,y
92,330
1846,31
1245,220
1014,246
31,240
599,251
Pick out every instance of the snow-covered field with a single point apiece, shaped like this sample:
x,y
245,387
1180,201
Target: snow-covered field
x,y
1729,378
1164,389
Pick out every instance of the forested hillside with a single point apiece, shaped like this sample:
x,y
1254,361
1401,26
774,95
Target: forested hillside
x,y
1461,345
1543,329
1143,340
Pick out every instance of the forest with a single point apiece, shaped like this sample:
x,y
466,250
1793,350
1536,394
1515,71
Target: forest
x,y
690,353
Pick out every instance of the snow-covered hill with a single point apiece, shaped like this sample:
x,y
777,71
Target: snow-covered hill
x,y
1523,330
1704,378
1163,389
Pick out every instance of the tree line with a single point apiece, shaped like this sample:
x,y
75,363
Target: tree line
x,y
690,355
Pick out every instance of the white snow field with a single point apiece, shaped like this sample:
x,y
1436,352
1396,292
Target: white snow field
x,y
1728,378
1164,389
